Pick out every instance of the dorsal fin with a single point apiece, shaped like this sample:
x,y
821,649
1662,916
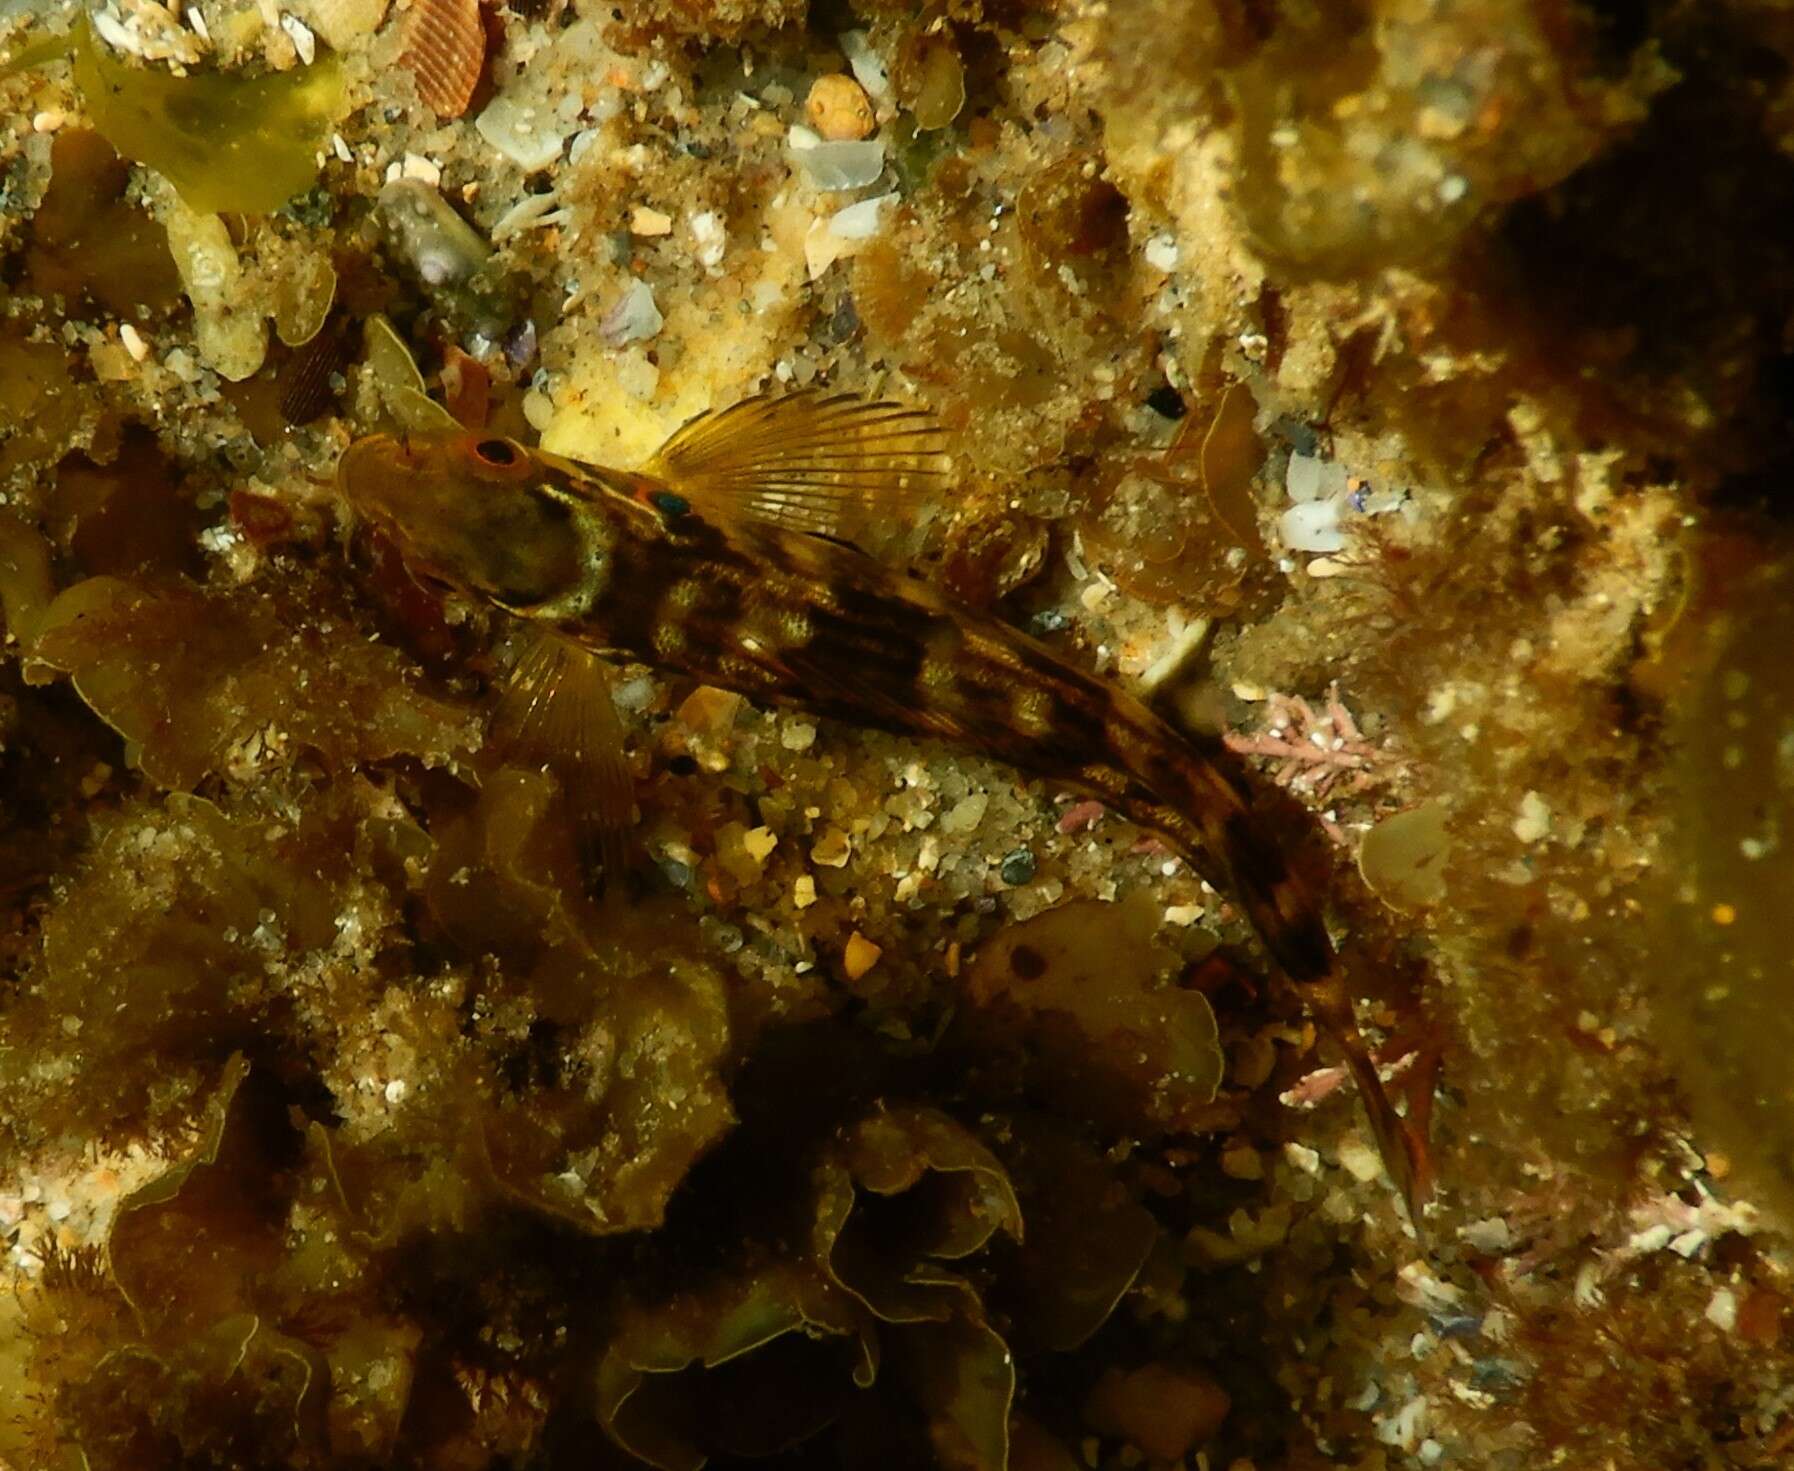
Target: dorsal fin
x,y
556,713
805,461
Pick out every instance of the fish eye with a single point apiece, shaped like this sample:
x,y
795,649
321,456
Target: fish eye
x,y
670,504
498,452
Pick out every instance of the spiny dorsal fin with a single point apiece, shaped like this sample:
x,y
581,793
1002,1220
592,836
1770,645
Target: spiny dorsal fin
x,y
556,713
805,461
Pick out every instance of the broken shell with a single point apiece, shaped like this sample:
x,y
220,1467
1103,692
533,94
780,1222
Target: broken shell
x,y
1403,857
438,244
524,128
306,386
837,165
445,49
303,295
634,318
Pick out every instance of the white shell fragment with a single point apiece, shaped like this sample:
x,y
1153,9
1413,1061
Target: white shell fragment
x,y
860,221
533,211
634,318
1311,478
828,240
299,33
1318,488
868,66
113,32
343,24
1403,857
709,237
1312,526
1161,252
523,130
839,165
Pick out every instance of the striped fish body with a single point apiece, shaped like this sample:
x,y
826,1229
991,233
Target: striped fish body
x,y
792,619
662,567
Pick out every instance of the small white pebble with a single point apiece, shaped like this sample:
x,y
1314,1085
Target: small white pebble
x,y
1182,915
1308,1161
396,1090
1534,821
198,22
1360,1159
1161,252
58,1210
803,892
797,735
1722,1311
341,148
709,237
299,33
133,341
424,170
1689,1242
113,33
49,120
868,66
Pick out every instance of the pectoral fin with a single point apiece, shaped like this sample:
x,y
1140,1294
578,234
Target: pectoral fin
x,y
805,461
556,714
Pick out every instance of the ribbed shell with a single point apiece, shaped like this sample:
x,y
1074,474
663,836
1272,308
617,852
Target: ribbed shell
x,y
445,48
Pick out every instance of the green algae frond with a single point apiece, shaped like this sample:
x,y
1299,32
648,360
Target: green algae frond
x,y
224,140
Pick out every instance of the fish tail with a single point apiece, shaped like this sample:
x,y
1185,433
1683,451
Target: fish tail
x,y
1198,806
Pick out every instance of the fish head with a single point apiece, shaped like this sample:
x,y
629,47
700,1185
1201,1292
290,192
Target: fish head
x,y
473,513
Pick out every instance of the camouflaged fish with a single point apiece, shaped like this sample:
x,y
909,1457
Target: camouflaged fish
x,y
723,558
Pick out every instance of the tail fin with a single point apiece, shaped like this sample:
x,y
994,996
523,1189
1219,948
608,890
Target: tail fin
x,y
1202,810
1399,1142
1287,917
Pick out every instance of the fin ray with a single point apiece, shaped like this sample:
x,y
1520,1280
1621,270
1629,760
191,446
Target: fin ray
x,y
805,461
556,714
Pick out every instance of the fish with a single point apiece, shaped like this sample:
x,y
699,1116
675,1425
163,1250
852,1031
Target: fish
x,y
729,557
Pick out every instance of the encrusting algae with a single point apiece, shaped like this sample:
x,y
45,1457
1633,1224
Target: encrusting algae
x,y
512,960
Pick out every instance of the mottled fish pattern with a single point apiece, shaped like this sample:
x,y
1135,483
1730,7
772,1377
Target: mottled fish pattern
x,y
718,560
